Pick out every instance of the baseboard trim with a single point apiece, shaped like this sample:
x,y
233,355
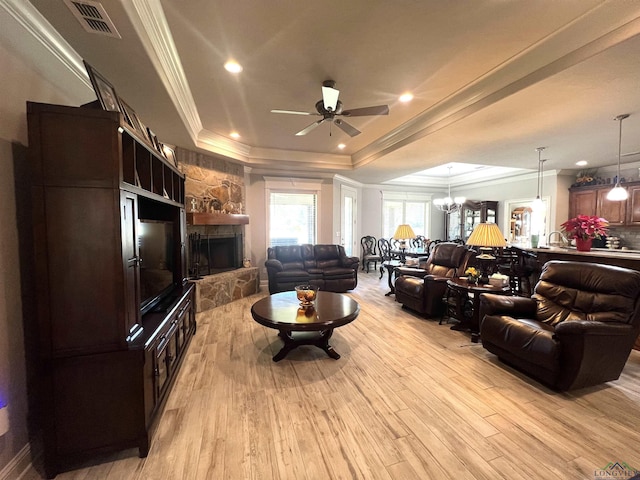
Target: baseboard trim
x,y
19,465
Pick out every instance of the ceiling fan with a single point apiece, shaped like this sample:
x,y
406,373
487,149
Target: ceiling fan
x,y
330,107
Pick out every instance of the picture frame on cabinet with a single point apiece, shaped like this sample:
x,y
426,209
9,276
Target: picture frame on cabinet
x,y
170,154
105,92
154,141
141,128
143,131
131,117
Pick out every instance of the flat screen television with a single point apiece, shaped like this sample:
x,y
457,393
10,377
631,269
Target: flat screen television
x,y
157,262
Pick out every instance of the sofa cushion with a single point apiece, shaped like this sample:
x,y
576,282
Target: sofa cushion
x,y
292,266
448,255
308,256
326,252
290,275
338,272
441,270
289,254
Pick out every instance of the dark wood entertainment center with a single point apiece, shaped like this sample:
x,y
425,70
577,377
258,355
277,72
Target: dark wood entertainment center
x,y
108,356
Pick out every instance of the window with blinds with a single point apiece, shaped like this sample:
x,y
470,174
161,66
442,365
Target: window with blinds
x,y
397,211
292,218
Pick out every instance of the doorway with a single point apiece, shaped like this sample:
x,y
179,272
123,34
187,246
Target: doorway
x,y
348,215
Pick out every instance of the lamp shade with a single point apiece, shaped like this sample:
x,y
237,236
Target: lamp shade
x,y
486,235
403,232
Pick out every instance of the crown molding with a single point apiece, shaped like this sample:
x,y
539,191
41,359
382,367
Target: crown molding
x,y
306,159
214,143
348,181
150,23
587,35
29,18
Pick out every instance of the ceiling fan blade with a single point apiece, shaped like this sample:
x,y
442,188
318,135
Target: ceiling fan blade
x,y
360,112
346,128
330,98
294,112
306,130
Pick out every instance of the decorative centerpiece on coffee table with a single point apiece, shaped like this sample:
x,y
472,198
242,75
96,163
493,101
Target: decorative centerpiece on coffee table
x,y
306,294
584,228
472,274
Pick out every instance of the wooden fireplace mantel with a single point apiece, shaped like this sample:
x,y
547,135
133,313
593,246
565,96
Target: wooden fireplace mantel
x,y
198,218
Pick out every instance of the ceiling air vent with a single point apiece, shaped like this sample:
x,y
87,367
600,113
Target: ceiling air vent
x,y
93,17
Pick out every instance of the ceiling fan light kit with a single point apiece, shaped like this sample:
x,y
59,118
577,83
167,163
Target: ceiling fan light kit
x,y
330,107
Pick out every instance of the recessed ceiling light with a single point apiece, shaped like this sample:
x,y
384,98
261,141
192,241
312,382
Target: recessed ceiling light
x,y
581,163
341,146
235,135
233,66
406,97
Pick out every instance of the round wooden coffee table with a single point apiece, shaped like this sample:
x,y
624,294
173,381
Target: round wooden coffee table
x,y
305,326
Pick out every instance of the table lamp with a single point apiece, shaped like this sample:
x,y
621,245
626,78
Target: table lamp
x,y
403,232
487,236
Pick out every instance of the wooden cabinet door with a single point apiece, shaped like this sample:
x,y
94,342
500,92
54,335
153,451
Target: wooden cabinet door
x,y
633,206
130,258
614,212
582,203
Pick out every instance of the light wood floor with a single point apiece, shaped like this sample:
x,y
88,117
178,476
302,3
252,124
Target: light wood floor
x,y
409,399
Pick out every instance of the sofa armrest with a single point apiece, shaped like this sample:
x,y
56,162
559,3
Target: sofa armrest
x,y
586,327
274,264
436,279
592,352
411,271
493,304
350,262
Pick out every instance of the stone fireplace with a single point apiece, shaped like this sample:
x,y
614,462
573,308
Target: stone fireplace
x,y
214,201
210,254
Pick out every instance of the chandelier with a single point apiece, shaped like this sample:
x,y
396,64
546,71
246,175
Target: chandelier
x,y
448,204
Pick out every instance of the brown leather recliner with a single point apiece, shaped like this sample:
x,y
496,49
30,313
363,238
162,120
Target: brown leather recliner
x,y
422,289
577,329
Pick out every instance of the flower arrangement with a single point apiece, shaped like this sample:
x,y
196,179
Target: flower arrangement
x,y
584,227
472,274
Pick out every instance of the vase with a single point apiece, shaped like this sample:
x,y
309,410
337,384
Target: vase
x,y
535,239
583,245
471,280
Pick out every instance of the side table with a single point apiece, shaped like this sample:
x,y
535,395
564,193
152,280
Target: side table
x,y
390,266
468,292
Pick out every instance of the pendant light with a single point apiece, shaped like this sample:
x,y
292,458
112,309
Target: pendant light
x,y
618,193
537,203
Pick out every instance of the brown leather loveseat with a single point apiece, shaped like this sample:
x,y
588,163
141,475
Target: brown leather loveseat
x,y
326,266
577,329
422,289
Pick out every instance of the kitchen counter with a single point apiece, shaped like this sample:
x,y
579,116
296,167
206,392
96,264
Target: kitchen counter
x,y
608,256
595,252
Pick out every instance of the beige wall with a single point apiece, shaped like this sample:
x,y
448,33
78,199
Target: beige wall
x,y
19,82
257,206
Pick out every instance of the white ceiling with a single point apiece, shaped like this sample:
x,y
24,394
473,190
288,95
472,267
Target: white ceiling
x,y
491,79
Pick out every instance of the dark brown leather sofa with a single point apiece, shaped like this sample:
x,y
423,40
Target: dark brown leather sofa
x,y
577,329
422,289
326,266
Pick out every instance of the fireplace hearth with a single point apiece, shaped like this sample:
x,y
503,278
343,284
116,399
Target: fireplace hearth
x,y
211,254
